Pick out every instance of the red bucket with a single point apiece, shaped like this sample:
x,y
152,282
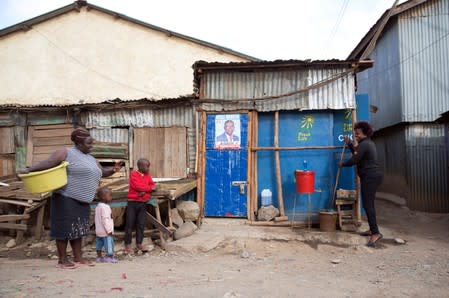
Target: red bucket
x,y
305,181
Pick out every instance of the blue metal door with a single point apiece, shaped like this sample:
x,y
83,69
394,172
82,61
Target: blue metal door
x,y
226,165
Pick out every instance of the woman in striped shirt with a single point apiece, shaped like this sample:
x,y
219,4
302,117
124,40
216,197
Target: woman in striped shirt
x,y
70,209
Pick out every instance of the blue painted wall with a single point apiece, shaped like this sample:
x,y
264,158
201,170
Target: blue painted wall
x,y
306,128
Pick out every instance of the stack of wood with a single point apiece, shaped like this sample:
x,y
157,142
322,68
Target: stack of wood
x,y
18,206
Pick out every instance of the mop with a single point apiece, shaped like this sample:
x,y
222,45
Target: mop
x,y
331,206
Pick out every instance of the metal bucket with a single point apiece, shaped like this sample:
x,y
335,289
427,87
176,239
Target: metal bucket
x,y
328,221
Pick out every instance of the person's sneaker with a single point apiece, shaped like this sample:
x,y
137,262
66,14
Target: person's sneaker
x,y
110,260
99,260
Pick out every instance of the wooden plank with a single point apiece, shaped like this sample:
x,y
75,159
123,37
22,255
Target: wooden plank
x,y
34,207
175,152
54,126
147,144
201,163
63,132
40,220
255,187
13,226
13,217
44,149
278,165
14,202
7,137
53,141
296,224
20,232
158,225
294,148
249,168
280,218
30,146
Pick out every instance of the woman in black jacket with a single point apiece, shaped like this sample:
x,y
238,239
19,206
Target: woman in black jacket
x,y
364,155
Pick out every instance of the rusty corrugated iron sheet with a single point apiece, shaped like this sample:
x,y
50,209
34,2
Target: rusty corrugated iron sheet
x,y
415,158
271,90
103,123
427,167
424,67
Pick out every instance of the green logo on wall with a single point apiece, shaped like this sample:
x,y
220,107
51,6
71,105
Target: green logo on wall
x,y
305,128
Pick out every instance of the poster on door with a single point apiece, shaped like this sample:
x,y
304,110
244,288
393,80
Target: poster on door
x,y
227,132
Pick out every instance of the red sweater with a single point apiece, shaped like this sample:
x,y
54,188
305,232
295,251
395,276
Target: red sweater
x,y
138,183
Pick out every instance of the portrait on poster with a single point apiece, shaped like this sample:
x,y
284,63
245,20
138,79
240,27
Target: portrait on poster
x,y
227,131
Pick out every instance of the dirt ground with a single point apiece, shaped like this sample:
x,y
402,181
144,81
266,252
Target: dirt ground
x,y
245,264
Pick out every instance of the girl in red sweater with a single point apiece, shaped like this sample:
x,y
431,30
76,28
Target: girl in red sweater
x,y
140,186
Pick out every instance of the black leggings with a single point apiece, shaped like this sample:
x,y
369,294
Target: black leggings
x,y
369,185
135,216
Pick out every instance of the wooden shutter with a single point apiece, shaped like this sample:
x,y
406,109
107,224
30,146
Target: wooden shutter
x,y
44,139
7,151
166,148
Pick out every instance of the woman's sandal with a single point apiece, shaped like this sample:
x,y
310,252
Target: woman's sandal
x,y
373,243
85,262
66,266
366,233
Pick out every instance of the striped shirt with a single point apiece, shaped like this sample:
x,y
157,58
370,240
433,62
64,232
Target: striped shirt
x,y
83,176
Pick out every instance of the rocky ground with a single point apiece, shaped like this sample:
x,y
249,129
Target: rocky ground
x,y
226,258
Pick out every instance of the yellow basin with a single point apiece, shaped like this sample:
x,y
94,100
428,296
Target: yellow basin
x,y
46,180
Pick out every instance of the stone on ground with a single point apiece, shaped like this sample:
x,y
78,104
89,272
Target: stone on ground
x,y
176,218
188,210
267,213
185,230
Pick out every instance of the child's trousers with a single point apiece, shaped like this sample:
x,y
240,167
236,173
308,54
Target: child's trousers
x,y
108,244
135,216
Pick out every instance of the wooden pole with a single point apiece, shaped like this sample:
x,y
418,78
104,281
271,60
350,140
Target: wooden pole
x,y
278,165
201,165
294,148
357,181
255,183
249,189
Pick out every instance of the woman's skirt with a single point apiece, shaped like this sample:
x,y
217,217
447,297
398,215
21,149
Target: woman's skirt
x,y
69,218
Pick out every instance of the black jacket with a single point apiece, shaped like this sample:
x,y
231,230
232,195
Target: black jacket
x,y
365,157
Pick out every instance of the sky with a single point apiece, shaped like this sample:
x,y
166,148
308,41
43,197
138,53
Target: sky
x,y
265,29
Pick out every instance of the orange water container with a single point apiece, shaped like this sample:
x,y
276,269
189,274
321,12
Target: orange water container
x,y
305,181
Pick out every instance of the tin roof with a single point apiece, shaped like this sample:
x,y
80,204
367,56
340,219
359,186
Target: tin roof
x,y
105,105
276,85
201,66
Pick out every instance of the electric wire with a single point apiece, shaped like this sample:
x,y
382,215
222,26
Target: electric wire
x,y
336,26
104,76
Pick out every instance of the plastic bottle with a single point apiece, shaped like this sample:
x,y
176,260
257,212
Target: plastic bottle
x,y
304,165
266,197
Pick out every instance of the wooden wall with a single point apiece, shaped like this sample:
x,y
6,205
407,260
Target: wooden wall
x,y
166,148
7,151
44,139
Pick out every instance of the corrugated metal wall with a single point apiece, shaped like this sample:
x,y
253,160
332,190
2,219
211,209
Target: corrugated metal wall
x,y
427,167
382,81
392,156
424,48
178,116
416,165
108,134
338,94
